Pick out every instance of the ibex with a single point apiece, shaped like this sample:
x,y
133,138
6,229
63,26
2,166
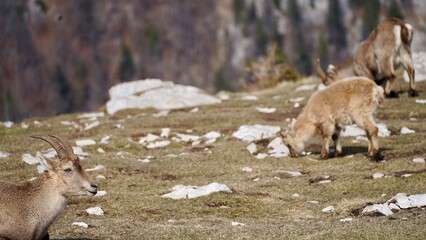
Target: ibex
x,y
29,208
386,48
358,97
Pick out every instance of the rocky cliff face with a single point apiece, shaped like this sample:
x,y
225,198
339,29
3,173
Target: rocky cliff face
x,y
62,56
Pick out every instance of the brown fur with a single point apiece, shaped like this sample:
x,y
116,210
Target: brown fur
x,y
323,116
377,57
28,209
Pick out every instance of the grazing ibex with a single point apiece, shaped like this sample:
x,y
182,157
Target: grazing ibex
x,y
358,98
29,208
386,48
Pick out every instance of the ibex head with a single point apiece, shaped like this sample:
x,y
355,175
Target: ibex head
x,y
65,170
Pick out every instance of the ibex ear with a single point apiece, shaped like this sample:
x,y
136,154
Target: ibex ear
x,y
45,162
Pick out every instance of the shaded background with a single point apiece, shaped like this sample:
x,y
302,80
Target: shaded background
x,y
63,56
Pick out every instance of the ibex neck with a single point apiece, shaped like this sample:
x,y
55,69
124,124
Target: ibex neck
x,y
47,203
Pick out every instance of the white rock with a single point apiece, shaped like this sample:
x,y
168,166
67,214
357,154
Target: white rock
x,y
266,110
97,168
7,124
235,224
277,97
29,159
105,140
165,132
381,208
80,224
224,97
261,156
250,98
418,200
161,113
92,115
41,169
100,193
324,181
187,137
405,130
296,105
194,110
180,191
296,195
328,209
4,154
24,125
148,138
419,160
354,131
102,177
421,101
393,206
407,175
252,148
321,86
378,175
144,160
347,219
158,144
291,173
313,202
95,211
419,61
247,169
91,125
276,148
306,87
85,142
251,133
211,137
100,150
296,100
154,93
402,200
256,179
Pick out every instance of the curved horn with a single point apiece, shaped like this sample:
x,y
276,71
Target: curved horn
x,y
67,146
319,70
54,143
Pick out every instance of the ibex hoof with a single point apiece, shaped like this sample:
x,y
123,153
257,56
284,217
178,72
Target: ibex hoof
x,y
392,94
413,93
376,157
323,156
337,154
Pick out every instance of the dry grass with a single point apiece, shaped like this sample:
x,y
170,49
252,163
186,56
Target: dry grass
x,y
135,210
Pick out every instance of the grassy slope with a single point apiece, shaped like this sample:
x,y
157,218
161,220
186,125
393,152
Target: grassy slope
x,y
135,210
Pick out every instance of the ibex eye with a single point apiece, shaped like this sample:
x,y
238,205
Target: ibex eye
x,y
67,170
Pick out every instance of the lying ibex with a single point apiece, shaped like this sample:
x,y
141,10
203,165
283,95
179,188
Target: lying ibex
x,y
386,48
358,97
29,208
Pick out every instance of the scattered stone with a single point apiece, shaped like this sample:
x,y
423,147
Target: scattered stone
x,y
328,209
247,169
29,159
180,191
85,142
165,132
91,125
250,98
100,193
146,160
305,87
187,137
100,150
252,148
276,148
405,130
261,156
291,173
97,168
421,101
296,100
148,138
158,144
194,110
256,179
95,211
92,115
296,105
296,195
416,160
4,154
102,177
251,133
236,224
24,125
105,140
407,175
347,219
7,124
380,208
266,110
154,93
313,202
211,137
80,224
324,181
161,113
378,175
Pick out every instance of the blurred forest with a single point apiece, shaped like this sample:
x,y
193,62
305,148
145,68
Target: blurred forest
x,y
63,56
